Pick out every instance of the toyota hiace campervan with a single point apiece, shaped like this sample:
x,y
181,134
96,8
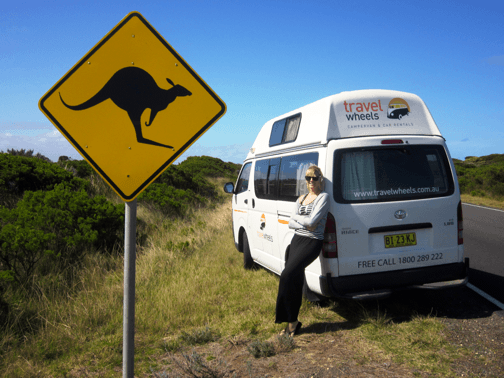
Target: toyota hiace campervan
x,y
395,218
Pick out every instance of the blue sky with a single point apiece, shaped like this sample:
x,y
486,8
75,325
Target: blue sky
x,y
264,58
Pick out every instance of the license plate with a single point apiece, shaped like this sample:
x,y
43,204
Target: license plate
x,y
400,240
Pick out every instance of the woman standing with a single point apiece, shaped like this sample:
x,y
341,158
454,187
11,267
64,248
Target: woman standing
x,y
308,220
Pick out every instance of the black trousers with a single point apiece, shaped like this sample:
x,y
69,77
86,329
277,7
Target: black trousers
x,y
303,252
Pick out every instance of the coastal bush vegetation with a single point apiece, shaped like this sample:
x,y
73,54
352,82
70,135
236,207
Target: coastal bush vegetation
x,y
481,176
56,217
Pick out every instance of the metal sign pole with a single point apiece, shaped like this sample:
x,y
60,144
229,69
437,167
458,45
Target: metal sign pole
x,y
129,288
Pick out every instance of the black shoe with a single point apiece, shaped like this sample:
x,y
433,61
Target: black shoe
x,y
296,331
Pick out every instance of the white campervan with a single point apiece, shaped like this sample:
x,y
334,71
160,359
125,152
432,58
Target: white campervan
x,y
395,218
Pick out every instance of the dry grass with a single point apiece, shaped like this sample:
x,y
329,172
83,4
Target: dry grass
x,y
482,201
188,275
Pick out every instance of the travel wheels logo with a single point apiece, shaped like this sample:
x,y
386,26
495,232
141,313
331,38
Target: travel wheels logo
x,y
397,108
264,235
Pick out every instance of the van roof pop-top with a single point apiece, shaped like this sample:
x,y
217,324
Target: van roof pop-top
x,y
345,115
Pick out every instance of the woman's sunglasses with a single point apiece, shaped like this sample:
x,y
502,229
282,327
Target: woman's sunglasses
x,y
308,178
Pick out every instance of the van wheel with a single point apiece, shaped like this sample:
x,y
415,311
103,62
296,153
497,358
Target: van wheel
x,y
248,262
399,116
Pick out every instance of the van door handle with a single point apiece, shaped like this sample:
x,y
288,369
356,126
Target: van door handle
x,y
253,203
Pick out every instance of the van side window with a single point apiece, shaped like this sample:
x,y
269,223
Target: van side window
x,y
285,130
277,132
266,178
243,181
292,175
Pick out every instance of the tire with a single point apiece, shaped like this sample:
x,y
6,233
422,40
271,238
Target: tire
x,y
248,262
399,116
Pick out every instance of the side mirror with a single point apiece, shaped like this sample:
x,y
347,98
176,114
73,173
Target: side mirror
x,y
229,187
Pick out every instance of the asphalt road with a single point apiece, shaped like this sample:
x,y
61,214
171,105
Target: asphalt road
x,y
484,245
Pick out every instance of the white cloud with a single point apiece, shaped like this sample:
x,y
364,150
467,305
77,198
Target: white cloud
x,y
50,144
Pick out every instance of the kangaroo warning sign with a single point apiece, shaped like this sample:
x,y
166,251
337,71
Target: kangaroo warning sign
x,y
131,106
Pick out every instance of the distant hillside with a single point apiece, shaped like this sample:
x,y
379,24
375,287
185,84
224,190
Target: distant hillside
x,y
474,161
481,176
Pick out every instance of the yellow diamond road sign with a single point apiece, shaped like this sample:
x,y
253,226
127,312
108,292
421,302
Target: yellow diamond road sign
x,y
131,106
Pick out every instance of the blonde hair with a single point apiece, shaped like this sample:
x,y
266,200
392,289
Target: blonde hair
x,y
318,172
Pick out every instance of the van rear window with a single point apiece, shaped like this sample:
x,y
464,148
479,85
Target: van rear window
x,y
392,173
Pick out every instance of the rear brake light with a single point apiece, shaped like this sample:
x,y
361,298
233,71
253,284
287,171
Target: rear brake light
x,y
392,141
460,224
330,247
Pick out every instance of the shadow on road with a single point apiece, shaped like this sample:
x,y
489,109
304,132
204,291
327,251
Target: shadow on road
x,y
491,284
403,306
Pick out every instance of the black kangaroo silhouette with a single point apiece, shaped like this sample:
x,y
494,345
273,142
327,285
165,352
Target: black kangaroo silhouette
x,y
133,89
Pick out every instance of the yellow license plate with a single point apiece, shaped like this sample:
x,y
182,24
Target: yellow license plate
x,y
400,240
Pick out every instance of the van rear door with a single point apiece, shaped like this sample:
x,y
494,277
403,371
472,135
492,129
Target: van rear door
x,y
396,207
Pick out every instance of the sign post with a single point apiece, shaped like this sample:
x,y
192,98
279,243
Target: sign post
x,y
129,288
131,106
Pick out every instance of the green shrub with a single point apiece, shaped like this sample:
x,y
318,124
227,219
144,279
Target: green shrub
x,y
477,193
261,349
493,175
199,336
19,174
498,189
169,200
285,343
180,179
56,224
79,168
207,166
29,153
463,182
